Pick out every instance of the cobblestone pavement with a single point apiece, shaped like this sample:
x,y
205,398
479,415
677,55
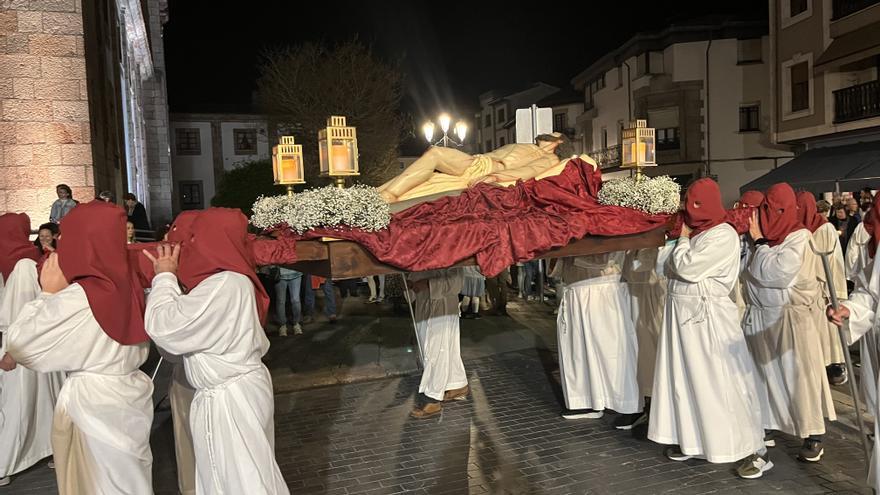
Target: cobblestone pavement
x,y
506,438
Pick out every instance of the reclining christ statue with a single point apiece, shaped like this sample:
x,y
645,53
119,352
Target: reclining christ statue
x,y
442,170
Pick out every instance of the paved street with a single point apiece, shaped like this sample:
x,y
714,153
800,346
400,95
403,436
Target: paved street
x,y
353,434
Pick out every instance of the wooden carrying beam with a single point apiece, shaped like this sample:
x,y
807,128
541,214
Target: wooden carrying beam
x,y
346,259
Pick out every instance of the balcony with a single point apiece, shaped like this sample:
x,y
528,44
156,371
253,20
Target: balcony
x,y
857,102
607,158
843,8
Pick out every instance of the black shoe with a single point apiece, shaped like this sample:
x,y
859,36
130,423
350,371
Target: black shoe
x,y
467,316
475,316
629,421
811,450
836,374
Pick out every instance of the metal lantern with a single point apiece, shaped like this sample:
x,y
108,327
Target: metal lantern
x,y
287,163
337,148
638,147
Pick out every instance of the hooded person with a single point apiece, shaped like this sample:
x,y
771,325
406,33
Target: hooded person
x,y
215,325
781,327
88,322
27,398
704,402
825,240
747,203
862,311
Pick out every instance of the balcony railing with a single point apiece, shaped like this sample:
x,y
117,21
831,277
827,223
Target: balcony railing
x,y
861,101
607,158
843,8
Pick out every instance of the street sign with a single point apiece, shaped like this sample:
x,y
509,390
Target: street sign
x,y
528,127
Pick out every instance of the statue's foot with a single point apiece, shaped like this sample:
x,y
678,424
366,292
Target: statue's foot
x,y
388,197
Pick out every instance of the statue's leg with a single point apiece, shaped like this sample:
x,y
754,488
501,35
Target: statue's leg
x,y
445,160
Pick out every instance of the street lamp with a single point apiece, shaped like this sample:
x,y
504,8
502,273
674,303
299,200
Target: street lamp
x,y
287,160
445,120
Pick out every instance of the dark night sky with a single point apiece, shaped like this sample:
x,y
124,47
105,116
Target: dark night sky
x,y
450,52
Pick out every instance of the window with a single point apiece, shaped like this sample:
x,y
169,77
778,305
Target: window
x,y
245,141
604,138
487,120
619,77
748,51
488,146
800,87
749,118
796,7
500,119
191,195
187,141
667,139
649,63
501,141
559,122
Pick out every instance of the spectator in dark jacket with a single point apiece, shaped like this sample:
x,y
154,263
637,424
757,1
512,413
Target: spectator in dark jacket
x,y
137,214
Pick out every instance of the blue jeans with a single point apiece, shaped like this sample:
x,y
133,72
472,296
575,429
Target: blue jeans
x,y
283,289
530,268
329,296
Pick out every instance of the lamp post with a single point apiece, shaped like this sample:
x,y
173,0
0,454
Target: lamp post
x,y
287,163
638,147
337,149
445,120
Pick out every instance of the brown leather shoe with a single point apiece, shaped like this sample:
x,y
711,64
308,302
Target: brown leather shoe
x,y
456,394
428,410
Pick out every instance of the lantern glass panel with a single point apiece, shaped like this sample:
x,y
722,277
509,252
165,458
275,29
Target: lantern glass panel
x,y
628,149
647,149
324,158
291,169
275,165
342,157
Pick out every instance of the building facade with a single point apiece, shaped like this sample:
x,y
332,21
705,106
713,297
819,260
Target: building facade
x,y
824,60
205,145
75,81
704,86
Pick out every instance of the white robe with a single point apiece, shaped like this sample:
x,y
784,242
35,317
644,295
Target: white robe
x,y
437,328
704,386
864,321
598,347
217,330
27,398
647,288
101,427
181,394
858,270
825,240
782,334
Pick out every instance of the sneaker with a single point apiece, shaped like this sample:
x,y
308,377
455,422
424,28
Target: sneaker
x,y
332,318
51,464
467,316
5,481
308,319
582,414
675,454
836,374
475,316
769,442
371,300
297,329
379,300
629,421
811,450
753,467
282,331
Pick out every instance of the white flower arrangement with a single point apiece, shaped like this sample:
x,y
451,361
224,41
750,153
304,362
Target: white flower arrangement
x,y
652,195
359,207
